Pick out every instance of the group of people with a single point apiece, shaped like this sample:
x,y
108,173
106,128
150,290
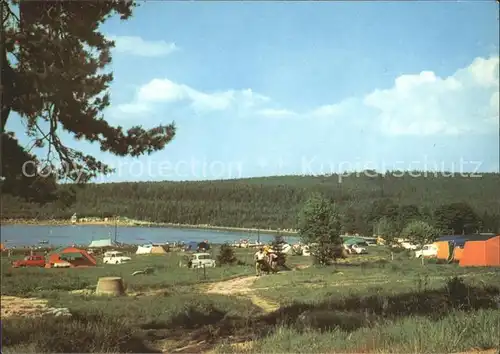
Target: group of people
x,y
265,260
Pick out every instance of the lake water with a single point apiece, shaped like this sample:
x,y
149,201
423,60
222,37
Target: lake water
x,y
21,235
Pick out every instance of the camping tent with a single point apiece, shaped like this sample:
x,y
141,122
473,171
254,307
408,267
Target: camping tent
x,y
459,240
481,253
150,249
101,243
445,249
74,256
286,248
458,253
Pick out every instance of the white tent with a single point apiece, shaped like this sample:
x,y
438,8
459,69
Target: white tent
x,y
101,243
286,248
144,249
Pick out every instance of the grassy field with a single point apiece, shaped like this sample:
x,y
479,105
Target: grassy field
x,y
363,304
167,274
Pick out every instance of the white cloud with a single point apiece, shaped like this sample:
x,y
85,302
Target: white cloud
x,y
484,71
166,91
416,104
137,46
426,104
335,110
162,90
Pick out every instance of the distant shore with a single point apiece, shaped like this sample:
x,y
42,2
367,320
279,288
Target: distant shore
x,y
138,223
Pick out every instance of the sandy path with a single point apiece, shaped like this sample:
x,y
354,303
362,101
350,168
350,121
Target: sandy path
x,y
17,306
13,306
232,286
242,287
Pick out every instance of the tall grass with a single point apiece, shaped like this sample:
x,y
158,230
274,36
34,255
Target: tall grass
x,y
458,331
83,333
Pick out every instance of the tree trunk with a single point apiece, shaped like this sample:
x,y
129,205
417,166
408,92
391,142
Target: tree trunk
x,y
392,256
6,81
422,258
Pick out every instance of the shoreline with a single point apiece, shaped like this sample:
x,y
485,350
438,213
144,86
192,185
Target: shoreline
x,y
137,223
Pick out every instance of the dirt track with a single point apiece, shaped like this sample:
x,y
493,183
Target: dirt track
x,y
242,287
13,306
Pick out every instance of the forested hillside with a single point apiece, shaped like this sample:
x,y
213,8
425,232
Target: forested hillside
x,y
274,202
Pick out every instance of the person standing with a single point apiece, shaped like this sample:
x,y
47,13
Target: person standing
x,y
260,259
273,261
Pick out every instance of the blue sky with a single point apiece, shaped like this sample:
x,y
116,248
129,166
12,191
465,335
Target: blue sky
x,y
273,88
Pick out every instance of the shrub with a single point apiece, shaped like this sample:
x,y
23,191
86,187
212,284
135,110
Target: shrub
x,y
326,253
226,255
89,333
277,245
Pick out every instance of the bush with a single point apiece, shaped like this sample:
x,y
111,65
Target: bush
x,y
89,333
277,245
226,255
327,253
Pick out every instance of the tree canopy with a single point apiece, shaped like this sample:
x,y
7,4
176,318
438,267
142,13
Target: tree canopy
x,y
387,229
54,75
320,223
457,218
271,202
420,232
319,220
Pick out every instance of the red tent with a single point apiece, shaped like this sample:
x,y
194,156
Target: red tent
x,y
74,256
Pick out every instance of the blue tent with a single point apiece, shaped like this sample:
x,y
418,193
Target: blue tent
x,y
448,237
459,240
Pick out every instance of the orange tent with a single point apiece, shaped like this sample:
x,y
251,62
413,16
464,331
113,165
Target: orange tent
x,y
2,247
481,253
458,253
443,249
74,256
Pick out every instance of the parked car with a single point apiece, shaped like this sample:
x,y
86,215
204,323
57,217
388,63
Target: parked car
x,y
428,251
61,264
356,249
408,246
201,260
30,261
115,257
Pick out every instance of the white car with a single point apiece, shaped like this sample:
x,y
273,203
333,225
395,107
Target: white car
x,y
358,249
408,246
201,260
61,264
428,251
115,257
